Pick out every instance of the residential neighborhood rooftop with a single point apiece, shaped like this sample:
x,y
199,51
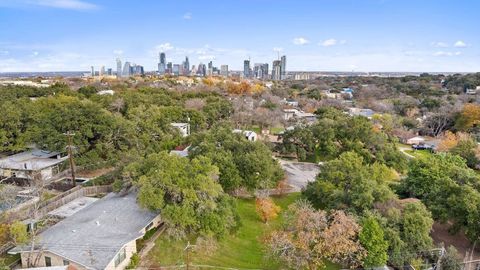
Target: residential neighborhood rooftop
x,y
31,160
94,235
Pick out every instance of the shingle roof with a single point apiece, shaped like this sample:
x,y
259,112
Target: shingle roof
x,y
31,160
94,235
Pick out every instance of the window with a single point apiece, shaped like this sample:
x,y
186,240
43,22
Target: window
x,y
120,257
149,226
48,261
66,262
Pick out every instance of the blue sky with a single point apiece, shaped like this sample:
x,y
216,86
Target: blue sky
x,y
328,35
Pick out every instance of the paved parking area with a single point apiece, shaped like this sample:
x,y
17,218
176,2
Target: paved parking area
x,y
299,173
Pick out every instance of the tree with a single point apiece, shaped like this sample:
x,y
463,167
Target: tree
x,y
336,133
18,233
242,164
372,239
186,193
266,209
310,237
348,183
407,228
450,260
469,117
448,188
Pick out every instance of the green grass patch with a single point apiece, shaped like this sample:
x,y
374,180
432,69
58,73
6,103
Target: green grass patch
x,y
420,153
244,249
7,260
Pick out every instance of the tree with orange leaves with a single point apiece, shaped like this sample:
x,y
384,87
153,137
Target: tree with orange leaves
x,y
266,209
469,117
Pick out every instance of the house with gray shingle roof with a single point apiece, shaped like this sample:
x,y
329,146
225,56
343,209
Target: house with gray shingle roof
x,y
100,236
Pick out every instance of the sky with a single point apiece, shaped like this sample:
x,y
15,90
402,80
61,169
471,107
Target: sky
x,y
316,35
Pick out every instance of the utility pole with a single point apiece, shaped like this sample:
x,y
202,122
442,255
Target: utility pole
x,y
70,155
187,259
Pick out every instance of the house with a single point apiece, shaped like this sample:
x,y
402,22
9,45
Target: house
x,y
100,236
31,164
65,267
348,92
184,128
471,91
360,112
289,113
106,92
249,135
180,151
415,140
291,102
294,113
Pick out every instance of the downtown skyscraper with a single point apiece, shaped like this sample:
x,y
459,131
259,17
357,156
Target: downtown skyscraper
x,y
119,67
162,64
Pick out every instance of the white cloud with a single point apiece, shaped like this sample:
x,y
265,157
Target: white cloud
x,y
460,44
164,47
63,4
300,41
4,53
35,53
439,44
329,42
277,49
207,57
443,53
118,52
187,16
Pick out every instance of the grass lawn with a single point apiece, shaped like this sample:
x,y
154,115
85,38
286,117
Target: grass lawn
x,y
6,260
241,250
420,153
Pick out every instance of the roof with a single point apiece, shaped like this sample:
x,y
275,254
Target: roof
x,y
94,235
179,124
65,267
31,160
417,138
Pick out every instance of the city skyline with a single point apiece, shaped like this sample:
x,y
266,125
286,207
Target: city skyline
x,y
342,35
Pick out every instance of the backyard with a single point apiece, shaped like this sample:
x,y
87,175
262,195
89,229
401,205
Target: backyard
x,y
242,250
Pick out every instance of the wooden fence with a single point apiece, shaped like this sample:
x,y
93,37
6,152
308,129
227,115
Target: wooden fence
x,y
53,203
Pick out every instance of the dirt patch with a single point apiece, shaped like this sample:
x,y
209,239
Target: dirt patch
x,y
440,234
94,173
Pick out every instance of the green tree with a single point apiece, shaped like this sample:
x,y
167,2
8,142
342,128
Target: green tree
x,y
448,188
372,239
449,260
185,192
242,164
348,183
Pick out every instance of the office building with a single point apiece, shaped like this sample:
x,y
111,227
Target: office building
x,y
186,66
92,71
109,72
202,70
169,68
283,66
162,64
260,71
119,67
102,71
277,70
246,69
176,69
126,69
224,70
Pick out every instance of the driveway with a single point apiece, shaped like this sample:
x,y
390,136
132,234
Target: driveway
x,y
299,174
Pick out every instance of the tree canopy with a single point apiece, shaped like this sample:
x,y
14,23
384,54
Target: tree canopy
x,y
242,163
186,193
348,183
